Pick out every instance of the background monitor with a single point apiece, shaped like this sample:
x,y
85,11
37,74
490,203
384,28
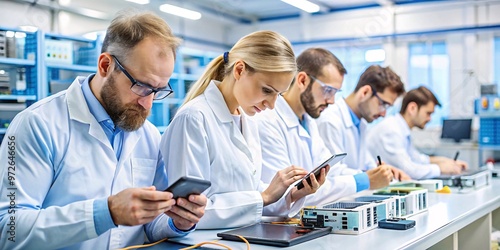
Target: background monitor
x,y
456,129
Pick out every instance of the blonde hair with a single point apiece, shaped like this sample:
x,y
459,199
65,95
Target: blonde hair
x,y
262,51
130,27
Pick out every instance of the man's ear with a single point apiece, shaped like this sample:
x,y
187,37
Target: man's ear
x,y
104,65
412,108
302,81
364,93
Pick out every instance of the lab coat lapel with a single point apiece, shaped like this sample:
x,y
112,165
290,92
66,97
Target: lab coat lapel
x,y
288,116
347,120
130,141
285,112
81,113
216,102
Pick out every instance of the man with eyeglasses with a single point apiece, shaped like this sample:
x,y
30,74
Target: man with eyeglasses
x,y
289,135
343,125
87,172
391,138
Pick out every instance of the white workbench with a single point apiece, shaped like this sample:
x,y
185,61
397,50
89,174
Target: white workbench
x,y
454,221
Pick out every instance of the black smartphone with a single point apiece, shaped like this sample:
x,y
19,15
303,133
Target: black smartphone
x,y
334,159
185,186
396,224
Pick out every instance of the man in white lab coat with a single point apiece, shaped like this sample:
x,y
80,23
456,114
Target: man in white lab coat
x,y
392,141
82,169
343,125
289,135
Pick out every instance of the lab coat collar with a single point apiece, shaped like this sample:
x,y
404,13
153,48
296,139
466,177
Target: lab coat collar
x,y
79,111
216,102
75,99
291,120
344,110
405,129
242,139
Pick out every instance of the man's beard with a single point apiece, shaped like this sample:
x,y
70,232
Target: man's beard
x,y
307,100
128,117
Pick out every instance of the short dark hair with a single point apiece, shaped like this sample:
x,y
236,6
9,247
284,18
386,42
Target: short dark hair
x,y
313,60
421,96
380,78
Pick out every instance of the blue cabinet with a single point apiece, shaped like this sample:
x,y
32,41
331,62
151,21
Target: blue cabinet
x,y
19,72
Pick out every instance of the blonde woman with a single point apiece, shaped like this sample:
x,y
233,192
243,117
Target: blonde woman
x,y
213,136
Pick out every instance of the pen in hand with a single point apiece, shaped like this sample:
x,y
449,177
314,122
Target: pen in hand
x,y
379,160
456,156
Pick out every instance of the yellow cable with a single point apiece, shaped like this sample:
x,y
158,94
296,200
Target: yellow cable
x,y
141,246
218,244
190,247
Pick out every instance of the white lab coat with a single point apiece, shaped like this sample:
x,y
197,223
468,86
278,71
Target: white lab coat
x,y
285,142
203,141
64,161
391,140
341,135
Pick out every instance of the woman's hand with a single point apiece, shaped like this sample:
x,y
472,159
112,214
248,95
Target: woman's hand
x,y
280,183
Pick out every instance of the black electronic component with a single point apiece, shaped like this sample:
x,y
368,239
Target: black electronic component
x,y
396,223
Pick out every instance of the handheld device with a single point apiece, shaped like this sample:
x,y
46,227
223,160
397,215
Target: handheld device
x,y
396,223
185,186
334,159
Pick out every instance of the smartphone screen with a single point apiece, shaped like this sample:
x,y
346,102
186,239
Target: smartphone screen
x,y
186,186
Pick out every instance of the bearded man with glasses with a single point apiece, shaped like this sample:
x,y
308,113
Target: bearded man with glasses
x,y
343,125
89,173
289,134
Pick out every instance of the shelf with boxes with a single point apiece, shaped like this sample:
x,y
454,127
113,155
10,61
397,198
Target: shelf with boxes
x,y
42,64
65,58
488,109
189,66
19,72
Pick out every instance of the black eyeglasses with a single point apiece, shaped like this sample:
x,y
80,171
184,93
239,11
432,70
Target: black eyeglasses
x,y
383,105
328,91
144,89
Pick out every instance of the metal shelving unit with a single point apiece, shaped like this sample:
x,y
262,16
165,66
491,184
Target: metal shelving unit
x,y
20,67
188,68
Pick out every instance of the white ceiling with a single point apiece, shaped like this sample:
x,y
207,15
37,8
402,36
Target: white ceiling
x,y
242,11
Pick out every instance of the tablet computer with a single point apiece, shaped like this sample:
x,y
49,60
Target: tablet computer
x,y
334,159
275,235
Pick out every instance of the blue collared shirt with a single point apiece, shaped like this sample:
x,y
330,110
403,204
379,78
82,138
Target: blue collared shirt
x,y
114,134
355,119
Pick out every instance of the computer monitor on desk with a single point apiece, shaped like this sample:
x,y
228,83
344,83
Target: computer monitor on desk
x,y
456,129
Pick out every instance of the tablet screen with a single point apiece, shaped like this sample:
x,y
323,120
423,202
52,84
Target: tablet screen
x,y
334,159
276,235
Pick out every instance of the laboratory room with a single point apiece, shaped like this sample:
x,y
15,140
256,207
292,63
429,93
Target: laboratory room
x,y
263,124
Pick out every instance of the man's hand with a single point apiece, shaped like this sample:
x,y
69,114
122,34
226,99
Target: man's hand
x,y
137,206
380,176
462,164
399,174
449,167
186,213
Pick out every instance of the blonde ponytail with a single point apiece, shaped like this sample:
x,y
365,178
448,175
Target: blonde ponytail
x,y
214,71
262,51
